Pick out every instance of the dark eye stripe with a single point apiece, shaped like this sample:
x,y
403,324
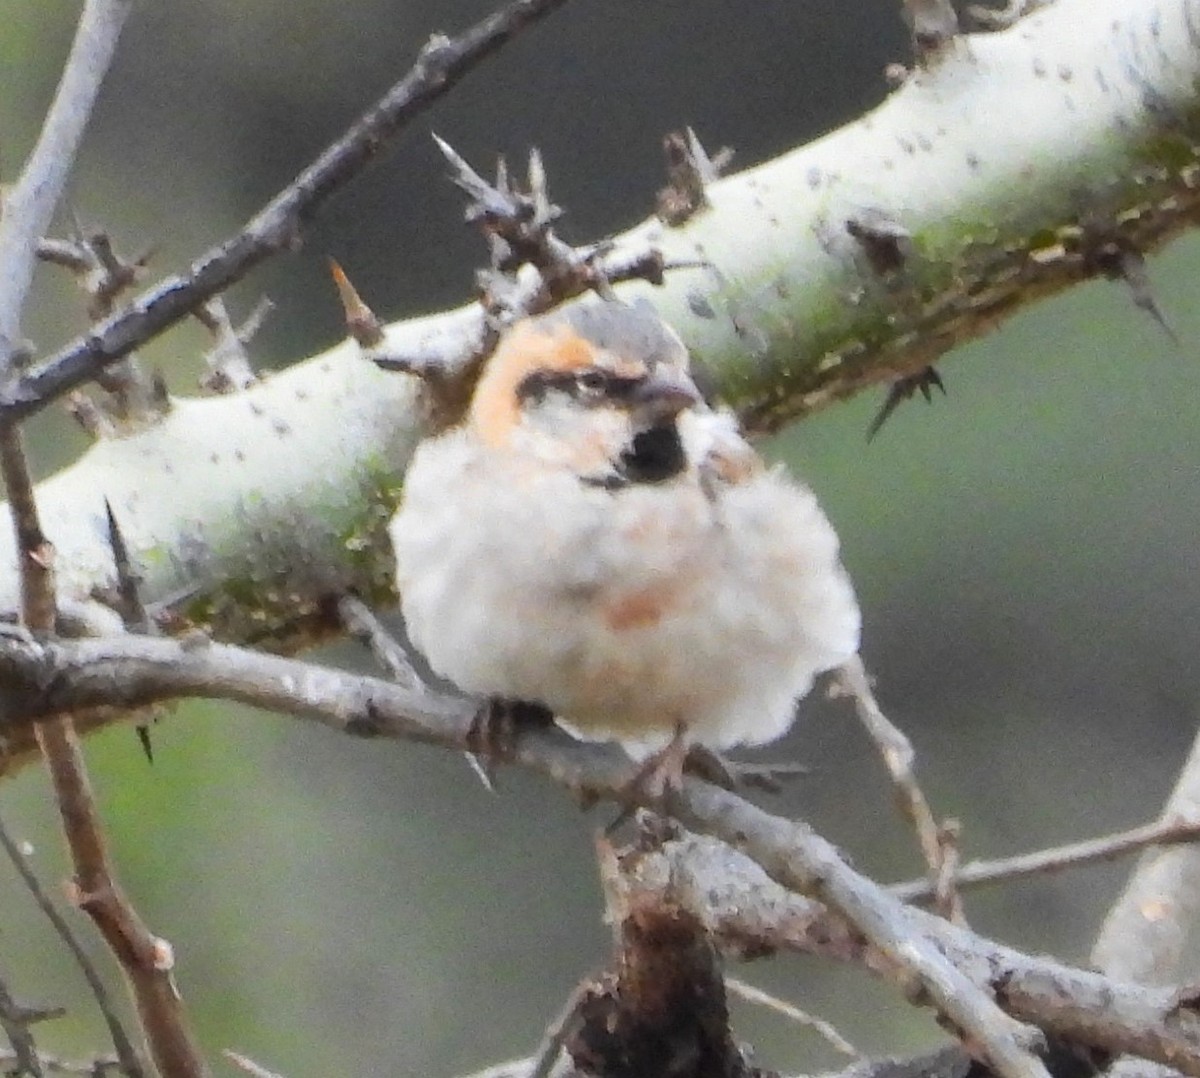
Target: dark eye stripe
x,y
589,385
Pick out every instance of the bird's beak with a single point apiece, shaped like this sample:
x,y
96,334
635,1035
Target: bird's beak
x,y
663,394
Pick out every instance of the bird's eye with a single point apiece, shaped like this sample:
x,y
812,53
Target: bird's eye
x,y
592,382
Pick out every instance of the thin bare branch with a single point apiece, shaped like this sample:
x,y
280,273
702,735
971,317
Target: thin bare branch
x,y
898,756
126,1056
545,1060
365,627
441,65
987,873
792,1013
29,206
145,959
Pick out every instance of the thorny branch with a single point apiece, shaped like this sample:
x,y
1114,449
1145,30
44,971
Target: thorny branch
x,y
441,65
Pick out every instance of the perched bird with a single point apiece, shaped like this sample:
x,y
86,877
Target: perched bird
x,y
596,539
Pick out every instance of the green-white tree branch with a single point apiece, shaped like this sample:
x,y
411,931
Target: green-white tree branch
x,y
1011,166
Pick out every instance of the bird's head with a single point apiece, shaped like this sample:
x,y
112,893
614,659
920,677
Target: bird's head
x,y
599,387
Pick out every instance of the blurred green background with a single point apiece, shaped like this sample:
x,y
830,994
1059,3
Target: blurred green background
x,y
1025,549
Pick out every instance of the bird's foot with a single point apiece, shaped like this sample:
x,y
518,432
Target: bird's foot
x,y
495,729
659,775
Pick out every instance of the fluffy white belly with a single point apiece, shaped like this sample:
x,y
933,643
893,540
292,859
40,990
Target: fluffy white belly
x,y
625,612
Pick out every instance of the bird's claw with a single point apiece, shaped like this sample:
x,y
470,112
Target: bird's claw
x,y
495,729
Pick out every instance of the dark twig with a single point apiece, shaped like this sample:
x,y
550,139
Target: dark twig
x,y
15,1022
132,610
133,395
29,205
441,65
519,228
101,273
126,1056
531,271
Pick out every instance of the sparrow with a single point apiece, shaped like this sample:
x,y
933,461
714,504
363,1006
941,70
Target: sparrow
x,y
594,538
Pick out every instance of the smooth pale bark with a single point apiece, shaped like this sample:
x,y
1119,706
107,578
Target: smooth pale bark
x,y
1016,164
